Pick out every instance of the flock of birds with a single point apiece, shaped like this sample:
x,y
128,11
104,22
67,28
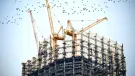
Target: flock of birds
x,y
59,5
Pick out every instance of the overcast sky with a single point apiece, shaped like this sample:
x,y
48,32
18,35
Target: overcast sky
x,y
17,43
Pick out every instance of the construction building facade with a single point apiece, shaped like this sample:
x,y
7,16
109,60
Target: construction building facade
x,y
95,56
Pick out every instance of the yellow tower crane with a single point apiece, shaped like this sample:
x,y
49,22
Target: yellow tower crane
x,y
70,31
54,34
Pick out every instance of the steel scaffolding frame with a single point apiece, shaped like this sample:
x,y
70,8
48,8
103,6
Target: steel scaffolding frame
x,y
97,56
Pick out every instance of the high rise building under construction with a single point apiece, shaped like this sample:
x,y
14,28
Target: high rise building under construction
x,y
96,56
86,54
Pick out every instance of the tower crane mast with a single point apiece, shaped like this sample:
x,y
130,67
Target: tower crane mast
x,y
50,17
34,29
54,34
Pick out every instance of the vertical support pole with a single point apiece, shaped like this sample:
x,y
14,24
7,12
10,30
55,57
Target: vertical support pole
x,y
29,67
56,58
45,55
81,44
50,55
92,68
23,69
55,67
73,45
106,62
45,52
64,54
54,48
51,50
64,49
73,52
56,54
103,56
39,57
117,60
73,65
55,64
110,58
123,63
75,40
89,55
96,55
112,67
34,64
82,52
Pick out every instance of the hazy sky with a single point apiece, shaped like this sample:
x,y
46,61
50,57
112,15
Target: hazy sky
x,y
17,43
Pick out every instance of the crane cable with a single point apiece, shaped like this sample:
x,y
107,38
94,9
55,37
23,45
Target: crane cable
x,y
57,20
82,20
39,31
55,15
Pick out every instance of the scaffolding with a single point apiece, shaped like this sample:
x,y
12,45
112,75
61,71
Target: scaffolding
x,y
96,56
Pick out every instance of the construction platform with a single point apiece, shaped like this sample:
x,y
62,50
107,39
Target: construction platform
x,y
96,56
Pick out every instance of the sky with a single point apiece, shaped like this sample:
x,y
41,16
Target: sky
x,y
17,43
